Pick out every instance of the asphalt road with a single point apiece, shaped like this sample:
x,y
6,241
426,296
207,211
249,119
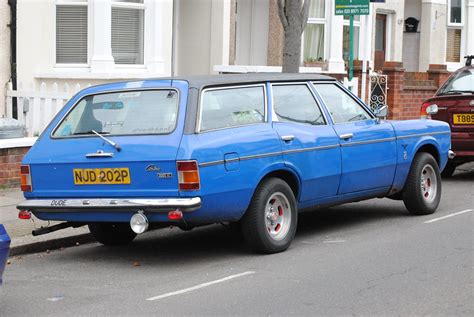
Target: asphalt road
x,y
367,258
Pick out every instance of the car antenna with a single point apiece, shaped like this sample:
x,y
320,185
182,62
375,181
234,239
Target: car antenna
x,y
173,34
469,59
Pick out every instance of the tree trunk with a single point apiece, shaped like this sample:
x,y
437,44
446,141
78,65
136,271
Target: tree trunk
x,y
293,16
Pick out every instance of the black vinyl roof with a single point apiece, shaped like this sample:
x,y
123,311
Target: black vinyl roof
x,y
226,79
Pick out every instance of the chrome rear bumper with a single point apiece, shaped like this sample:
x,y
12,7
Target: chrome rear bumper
x,y
110,204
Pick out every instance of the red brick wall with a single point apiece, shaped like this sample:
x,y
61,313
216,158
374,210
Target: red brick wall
x,y
10,161
405,95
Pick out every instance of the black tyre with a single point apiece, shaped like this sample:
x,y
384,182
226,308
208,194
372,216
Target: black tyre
x,y
269,225
112,233
448,170
422,191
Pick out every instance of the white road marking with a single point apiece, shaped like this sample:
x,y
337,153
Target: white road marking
x,y
334,241
449,216
193,288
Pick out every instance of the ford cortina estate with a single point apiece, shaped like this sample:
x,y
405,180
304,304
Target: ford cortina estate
x,y
251,150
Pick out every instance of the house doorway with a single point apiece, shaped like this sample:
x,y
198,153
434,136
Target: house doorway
x,y
380,40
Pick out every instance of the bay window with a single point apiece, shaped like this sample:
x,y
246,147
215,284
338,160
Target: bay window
x,y
71,32
314,34
345,38
128,31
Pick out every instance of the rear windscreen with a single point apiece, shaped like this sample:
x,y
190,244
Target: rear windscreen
x,y
122,113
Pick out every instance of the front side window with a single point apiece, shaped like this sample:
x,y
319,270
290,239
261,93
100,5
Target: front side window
x,y
128,31
313,38
122,113
295,103
71,32
342,107
231,107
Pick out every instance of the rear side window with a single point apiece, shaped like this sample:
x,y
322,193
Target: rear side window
x,y
295,103
341,106
231,107
122,113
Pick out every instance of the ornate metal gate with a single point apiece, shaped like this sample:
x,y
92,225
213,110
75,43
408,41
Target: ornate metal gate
x,y
378,90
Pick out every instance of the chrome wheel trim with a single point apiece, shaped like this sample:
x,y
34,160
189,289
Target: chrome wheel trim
x,y
277,216
428,183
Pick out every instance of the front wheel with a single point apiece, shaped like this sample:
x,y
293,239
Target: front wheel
x,y
112,233
422,191
269,225
448,170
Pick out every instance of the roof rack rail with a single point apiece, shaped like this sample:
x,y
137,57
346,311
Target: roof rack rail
x,y
469,59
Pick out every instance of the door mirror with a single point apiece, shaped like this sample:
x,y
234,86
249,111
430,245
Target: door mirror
x,y
382,112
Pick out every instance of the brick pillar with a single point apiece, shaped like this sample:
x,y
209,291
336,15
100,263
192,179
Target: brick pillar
x,y
395,81
438,74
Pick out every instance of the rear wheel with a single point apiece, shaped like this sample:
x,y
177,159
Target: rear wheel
x,y
269,225
112,233
422,191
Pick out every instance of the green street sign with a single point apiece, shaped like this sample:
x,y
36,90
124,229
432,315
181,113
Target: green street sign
x,y
352,7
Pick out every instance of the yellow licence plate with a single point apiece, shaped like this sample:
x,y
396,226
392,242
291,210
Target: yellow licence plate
x,y
463,118
96,176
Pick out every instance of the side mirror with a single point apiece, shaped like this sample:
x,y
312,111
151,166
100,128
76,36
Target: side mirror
x,y
382,112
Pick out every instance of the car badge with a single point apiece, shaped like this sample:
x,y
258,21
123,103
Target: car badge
x,y
152,168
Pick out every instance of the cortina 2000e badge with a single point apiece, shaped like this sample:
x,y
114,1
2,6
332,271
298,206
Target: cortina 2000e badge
x,y
153,168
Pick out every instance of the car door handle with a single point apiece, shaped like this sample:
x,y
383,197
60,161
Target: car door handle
x,y
346,136
287,138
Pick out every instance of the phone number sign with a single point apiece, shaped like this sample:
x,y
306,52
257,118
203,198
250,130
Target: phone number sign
x,y
352,7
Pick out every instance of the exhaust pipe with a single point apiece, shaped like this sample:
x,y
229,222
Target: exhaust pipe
x,y
139,222
451,154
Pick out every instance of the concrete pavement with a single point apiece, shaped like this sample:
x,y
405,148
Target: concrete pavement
x,y
20,230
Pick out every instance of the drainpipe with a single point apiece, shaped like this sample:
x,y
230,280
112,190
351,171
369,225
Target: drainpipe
x,y
12,26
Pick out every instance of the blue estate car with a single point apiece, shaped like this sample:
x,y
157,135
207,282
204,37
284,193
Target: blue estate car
x,y
4,248
246,149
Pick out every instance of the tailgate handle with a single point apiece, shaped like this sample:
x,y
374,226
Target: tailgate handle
x,y
99,153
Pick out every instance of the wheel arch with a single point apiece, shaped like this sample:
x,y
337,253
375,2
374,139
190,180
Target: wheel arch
x,y
430,146
286,174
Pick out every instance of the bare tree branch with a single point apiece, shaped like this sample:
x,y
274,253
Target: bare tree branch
x,y
281,13
304,14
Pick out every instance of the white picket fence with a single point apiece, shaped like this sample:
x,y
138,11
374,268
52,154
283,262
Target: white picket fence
x,y
36,107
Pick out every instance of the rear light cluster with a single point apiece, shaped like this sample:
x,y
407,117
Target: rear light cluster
x,y
427,110
25,178
188,175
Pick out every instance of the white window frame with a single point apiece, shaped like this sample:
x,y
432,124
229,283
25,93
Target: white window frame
x,y
321,21
452,66
357,24
137,6
463,7
89,32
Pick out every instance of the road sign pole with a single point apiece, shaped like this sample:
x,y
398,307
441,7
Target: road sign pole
x,y
351,47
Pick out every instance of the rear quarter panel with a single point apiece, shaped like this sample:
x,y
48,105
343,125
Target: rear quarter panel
x,y
411,136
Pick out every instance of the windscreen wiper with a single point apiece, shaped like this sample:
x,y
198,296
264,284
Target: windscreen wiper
x,y
452,92
100,135
115,145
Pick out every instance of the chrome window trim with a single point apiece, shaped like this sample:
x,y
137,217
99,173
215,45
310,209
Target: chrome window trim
x,y
307,84
235,86
352,96
115,91
320,148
